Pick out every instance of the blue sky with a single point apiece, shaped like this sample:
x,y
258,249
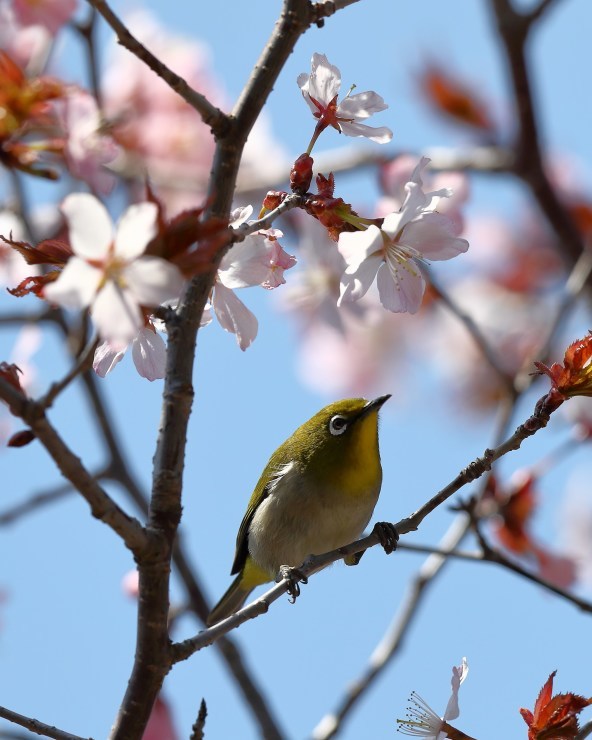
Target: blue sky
x,y
67,643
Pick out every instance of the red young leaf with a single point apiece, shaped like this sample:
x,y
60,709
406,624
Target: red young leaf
x,y
48,252
454,98
554,717
574,377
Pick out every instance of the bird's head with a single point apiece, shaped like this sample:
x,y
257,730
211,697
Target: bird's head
x,y
340,442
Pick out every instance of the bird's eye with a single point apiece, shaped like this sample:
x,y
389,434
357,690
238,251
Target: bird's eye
x,y
337,425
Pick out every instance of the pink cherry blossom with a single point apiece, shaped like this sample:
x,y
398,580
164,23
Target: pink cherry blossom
x,y
258,260
87,149
393,253
320,89
52,14
422,721
28,46
109,272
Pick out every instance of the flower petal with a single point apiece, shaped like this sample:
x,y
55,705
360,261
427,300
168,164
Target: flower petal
x,y
153,280
90,227
400,287
324,80
356,280
458,676
149,354
234,316
135,229
245,264
380,134
433,235
106,357
116,314
239,215
356,246
76,286
362,105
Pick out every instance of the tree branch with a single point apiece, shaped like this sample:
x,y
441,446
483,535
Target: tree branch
x,y
211,116
39,728
514,29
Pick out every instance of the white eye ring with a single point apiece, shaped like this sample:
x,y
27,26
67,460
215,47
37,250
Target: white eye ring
x,y
337,425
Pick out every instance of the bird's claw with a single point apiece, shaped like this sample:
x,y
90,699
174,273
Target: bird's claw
x,y
387,536
293,577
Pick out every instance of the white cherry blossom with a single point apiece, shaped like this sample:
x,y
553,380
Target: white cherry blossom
x,y
393,253
320,89
109,272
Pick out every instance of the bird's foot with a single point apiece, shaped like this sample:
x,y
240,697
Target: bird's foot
x,y
293,577
387,536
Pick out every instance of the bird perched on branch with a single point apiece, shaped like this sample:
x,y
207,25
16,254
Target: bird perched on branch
x,y
317,493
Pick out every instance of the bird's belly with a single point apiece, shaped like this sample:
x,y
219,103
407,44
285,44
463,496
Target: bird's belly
x,y
292,524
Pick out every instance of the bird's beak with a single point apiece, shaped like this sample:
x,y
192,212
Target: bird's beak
x,y
374,405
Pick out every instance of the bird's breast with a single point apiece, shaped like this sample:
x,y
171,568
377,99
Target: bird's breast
x,y
301,517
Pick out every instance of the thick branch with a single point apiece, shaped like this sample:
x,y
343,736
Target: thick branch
x,y
165,504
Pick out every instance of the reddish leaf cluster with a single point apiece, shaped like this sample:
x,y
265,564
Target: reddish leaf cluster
x,y
454,98
187,240
515,508
574,377
26,113
554,717
52,252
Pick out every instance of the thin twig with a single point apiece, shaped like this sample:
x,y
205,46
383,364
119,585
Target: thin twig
x,y
87,30
197,731
82,364
39,728
476,334
211,116
38,500
240,233
585,731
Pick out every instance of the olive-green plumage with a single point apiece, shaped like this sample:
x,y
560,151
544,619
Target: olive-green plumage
x,y
317,493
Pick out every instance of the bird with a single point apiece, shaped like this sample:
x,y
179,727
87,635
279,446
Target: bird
x,y
317,493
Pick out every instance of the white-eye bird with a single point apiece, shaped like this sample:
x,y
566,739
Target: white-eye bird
x,y
317,493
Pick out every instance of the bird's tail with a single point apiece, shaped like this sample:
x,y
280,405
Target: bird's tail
x,y
251,576
231,602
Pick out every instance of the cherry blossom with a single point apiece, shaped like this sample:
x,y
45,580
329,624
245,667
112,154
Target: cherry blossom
x,y
421,719
258,260
393,253
109,272
320,89
159,132
87,150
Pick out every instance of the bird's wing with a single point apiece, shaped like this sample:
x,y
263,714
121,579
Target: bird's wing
x,y
261,492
